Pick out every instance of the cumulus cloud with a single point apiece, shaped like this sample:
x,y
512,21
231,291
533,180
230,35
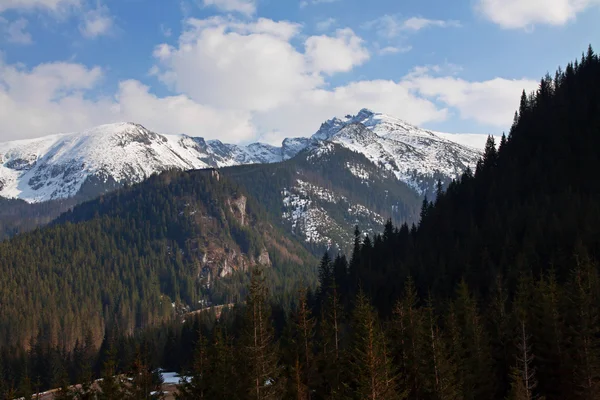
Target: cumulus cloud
x,y
304,116
392,26
325,24
241,81
491,102
305,3
16,31
339,53
247,7
52,98
29,5
519,14
235,65
393,50
96,22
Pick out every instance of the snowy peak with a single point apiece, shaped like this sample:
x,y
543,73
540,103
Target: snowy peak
x,y
416,156
108,156
105,157
355,133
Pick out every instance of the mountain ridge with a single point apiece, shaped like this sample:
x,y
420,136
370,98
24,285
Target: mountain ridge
x,y
108,156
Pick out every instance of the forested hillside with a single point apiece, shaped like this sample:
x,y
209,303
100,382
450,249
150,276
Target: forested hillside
x,y
322,193
123,259
18,216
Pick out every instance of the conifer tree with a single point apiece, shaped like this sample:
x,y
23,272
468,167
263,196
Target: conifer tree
x,y
373,374
60,378
471,347
222,373
111,385
409,339
518,391
524,375
194,385
550,343
585,330
26,387
441,375
144,383
259,349
304,332
330,360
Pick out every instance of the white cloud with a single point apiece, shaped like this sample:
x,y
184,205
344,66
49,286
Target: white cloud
x,y
305,3
491,102
15,31
97,22
340,53
230,64
243,81
417,23
518,14
180,114
166,31
393,50
29,5
392,26
325,24
52,98
247,7
303,117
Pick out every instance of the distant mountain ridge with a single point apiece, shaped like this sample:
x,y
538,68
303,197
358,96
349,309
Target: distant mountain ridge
x,y
106,157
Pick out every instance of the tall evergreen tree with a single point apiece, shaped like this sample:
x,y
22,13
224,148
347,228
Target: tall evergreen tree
x,y
373,374
263,380
194,385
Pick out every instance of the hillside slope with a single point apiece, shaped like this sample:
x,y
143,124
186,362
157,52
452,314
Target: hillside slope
x,y
325,191
138,256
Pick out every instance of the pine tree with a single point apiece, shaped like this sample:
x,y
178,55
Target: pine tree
x,y
550,343
325,277
441,375
373,374
501,337
222,373
60,377
83,359
145,383
409,339
330,362
194,385
259,349
472,351
585,331
518,391
524,380
26,387
304,332
111,385
3,383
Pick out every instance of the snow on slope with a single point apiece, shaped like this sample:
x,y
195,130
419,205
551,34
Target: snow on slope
x,y
416,156
60,166
57,166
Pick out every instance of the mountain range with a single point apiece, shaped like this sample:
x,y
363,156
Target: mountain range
x,y
106,157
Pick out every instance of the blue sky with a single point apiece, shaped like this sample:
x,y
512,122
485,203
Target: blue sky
x,y
246,70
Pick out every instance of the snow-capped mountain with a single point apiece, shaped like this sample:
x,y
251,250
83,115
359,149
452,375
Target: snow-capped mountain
x,y
416,156
108,156
61,166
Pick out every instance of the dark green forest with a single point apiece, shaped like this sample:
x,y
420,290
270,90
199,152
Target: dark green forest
x,y
494,294
121,261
